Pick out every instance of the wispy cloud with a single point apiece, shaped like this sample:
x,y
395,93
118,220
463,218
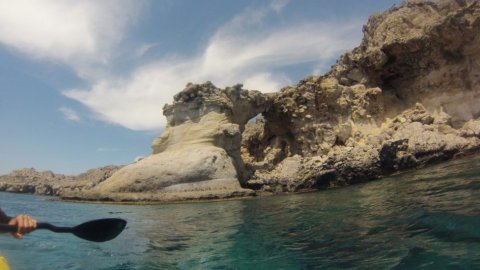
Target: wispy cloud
x,y
247,49
242,51
70,114
143,49
80,34
278,5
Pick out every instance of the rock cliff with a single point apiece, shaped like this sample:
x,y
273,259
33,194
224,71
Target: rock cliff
x,y
198,155
404,98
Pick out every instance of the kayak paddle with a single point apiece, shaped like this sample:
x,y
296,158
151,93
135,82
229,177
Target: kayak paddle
x,y
99,230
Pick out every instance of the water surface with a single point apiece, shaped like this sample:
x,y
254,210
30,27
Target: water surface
x,y
429,219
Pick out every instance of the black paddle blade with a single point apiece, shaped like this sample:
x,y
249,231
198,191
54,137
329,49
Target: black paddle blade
x,y
100,230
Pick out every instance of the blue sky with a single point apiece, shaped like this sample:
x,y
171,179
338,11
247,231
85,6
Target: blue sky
x,y
83,83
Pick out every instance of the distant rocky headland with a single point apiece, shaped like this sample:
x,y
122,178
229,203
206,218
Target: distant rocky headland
x,y
406,97
49,183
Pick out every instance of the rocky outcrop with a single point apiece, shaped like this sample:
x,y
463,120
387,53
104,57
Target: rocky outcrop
x,y
198,155
48,183
405,98
421,52
31,181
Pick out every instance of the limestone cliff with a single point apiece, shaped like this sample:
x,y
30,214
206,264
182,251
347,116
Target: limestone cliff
x,y
197,156
404,98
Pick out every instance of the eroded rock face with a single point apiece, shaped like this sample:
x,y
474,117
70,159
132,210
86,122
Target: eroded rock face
x,y
198,154
422,52
406,97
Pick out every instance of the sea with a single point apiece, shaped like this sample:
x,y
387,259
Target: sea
x,y
422,219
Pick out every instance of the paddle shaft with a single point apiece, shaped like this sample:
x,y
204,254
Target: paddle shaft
x,y
42,225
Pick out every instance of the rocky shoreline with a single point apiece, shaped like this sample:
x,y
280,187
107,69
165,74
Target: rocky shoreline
x,y
405,98
30,181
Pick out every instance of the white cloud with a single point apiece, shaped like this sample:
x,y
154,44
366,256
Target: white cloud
x,y
83,35
240,52
144,48
135,102
77,33
278,5
269,82
70,114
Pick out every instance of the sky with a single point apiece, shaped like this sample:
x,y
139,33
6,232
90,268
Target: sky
x,y
83,82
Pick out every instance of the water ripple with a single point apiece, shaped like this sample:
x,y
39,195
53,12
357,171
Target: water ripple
x,y
428,218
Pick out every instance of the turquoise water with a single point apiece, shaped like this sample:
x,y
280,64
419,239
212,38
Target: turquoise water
x,y
425,219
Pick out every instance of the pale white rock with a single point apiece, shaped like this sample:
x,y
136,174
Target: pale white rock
x,y
197,156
